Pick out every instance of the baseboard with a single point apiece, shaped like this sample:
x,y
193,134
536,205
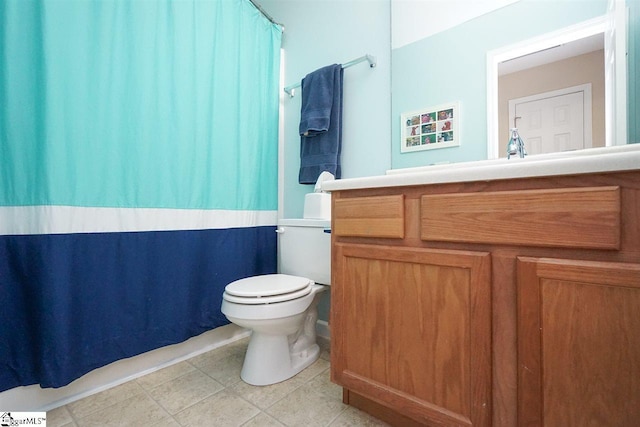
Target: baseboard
x,y
35,398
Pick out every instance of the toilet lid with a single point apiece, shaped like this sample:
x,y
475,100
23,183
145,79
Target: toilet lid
x,y
267,300
270,285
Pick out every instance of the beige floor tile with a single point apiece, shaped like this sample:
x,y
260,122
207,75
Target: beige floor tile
x,y
166,422
240,346
304,407
226,371
325,355
59,417
236,348
137,411
265,396
353,417
194,393
220,410
184,391
317,367
321,383
161,376
263,420
98,401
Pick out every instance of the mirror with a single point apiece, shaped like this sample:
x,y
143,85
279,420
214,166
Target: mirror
x,y
570,78
463,63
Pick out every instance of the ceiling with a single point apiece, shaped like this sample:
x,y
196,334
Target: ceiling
x,y
553,54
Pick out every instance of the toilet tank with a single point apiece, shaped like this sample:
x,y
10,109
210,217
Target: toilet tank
x,y
304,249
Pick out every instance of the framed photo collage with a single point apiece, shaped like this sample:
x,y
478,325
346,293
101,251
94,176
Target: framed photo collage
x,y
430,128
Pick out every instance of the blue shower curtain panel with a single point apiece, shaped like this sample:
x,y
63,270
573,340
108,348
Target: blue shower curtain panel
x,y
138,175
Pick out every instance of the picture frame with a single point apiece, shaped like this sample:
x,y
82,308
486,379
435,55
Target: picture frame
x,y
430,128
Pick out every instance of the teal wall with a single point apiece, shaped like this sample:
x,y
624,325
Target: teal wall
x,y
323,32
451,66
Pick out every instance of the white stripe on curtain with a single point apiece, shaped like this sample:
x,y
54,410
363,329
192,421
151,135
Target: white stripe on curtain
x,y
19,220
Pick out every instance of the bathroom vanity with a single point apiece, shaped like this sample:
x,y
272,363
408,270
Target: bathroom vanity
x,y
491,294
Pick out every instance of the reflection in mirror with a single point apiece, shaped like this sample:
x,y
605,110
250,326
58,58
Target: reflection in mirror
x,y
554,90
555,97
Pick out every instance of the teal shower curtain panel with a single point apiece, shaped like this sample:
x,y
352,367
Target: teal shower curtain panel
x,y
138,175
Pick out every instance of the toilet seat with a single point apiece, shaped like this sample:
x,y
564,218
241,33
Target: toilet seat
x,y
267,289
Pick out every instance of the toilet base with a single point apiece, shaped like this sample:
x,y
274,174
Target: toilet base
x,y
269,359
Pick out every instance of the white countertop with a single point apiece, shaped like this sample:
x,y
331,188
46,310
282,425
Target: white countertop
x,y
591,160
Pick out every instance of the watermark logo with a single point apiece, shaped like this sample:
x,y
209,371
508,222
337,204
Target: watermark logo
x,y
10,419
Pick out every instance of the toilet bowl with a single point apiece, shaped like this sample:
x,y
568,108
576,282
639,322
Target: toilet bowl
x,y
283,339
281,309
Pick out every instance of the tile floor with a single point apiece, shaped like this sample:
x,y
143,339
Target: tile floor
x,y
207,391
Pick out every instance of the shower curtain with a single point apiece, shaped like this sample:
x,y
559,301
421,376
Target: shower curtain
x,y
138,175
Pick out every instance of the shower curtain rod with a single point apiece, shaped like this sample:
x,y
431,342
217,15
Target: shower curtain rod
x,y
265,14
372,63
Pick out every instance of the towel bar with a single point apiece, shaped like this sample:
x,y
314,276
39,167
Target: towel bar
x,y
290,90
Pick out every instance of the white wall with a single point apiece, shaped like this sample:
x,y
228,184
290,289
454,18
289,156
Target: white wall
x,y
324,32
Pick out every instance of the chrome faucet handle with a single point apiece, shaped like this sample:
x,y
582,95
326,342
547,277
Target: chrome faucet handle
x,y
515,145
523,152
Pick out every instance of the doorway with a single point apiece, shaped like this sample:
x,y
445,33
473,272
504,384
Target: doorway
x,y
555,121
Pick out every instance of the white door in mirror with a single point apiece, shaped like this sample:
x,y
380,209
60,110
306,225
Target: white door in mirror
x,y
553,123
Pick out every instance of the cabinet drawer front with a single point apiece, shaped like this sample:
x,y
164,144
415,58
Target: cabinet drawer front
x,y
569,217
376,216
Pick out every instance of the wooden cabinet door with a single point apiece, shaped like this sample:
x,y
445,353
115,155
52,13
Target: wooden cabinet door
x,y
411,330
578,343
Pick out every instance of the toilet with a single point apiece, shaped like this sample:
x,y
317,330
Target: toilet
x,y
281,309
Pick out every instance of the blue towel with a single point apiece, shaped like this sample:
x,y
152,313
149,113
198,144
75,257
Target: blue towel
x,y
321,124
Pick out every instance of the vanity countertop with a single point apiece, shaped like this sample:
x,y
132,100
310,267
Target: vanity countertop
x,y
591,160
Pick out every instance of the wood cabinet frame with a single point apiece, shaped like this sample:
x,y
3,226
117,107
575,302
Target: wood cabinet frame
x,y
618,242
